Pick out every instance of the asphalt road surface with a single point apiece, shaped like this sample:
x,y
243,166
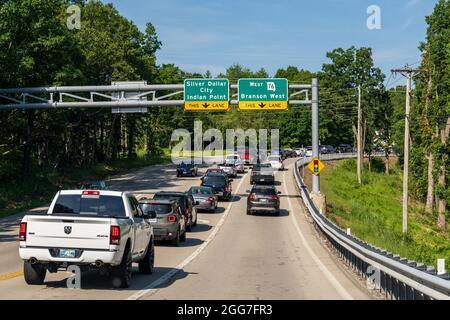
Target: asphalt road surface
x,y
229,255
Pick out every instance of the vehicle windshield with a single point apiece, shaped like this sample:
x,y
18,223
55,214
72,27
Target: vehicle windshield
x,y
159,208
110,206
262,166
227,165
264,191
161,196
91,186
198,190
214,180
215,171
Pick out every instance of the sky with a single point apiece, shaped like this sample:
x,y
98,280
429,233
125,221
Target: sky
x,y
200,35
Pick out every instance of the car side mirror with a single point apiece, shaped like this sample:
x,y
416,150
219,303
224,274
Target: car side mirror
x,y
197,203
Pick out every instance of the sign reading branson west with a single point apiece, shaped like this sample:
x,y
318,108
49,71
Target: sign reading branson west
x,y
206,94
263,94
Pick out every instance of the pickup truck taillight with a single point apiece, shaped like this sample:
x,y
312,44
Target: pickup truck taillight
x,y
275,197
114,237
23,231
252,196
171,218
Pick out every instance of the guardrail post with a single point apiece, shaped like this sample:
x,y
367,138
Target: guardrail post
x,y
441,266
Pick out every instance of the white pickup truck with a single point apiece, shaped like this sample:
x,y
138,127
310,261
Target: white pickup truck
x,y
105,230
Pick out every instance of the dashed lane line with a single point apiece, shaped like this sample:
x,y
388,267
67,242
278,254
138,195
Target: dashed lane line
x,y
152,288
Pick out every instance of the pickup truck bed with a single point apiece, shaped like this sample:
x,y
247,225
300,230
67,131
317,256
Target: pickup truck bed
x,y
88,228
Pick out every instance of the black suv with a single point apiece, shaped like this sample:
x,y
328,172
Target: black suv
x,y
220,184
187,205
263,198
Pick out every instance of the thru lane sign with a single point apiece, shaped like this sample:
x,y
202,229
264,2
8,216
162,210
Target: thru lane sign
x,y
206,94
263,94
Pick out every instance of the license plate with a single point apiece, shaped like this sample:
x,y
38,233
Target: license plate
x,y
263,200
153,220
65,253
262,179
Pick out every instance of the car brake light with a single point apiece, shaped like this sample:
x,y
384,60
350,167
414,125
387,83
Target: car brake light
x,y
91,193
171,218
252,196
275,198
23,231
114,237
210,199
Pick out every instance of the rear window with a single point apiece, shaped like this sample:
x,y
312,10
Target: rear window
x,y
264,191
260,167
201,191
158,208
101,206
170,197
91,186
214,180
227,165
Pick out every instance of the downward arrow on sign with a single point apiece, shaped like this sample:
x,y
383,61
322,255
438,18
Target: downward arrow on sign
x,y
205,105
262,105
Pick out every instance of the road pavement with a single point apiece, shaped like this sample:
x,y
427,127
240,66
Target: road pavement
x,y
229,255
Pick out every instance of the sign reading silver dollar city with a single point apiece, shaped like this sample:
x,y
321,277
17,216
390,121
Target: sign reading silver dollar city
x,y
206,94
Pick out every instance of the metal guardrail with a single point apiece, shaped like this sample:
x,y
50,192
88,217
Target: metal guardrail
x,y
397,277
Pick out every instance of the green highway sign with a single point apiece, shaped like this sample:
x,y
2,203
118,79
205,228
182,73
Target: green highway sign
x,y
263,94
206,94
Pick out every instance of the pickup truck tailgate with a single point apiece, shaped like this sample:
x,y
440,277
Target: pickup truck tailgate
x,y
68,232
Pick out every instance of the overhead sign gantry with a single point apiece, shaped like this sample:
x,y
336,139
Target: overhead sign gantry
x,y
135,97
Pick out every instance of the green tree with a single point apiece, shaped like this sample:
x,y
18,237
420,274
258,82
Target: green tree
x,y
433,120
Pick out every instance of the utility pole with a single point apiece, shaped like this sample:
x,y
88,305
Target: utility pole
x,y
409,74
359,139
315,131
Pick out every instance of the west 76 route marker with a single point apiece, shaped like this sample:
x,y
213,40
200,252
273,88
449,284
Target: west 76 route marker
x,y
206,94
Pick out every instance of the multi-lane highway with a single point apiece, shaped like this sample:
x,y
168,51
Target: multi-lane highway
x,y
229,255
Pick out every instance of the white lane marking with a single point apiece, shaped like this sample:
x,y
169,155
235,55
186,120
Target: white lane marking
x,y
332,279
203,221
152,287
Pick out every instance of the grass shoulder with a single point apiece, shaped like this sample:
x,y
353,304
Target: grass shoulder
x,y
373,212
